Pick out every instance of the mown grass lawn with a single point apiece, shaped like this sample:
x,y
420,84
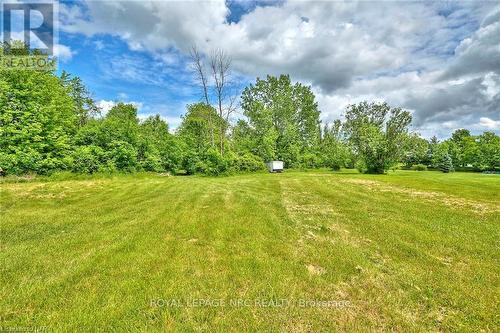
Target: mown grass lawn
x,y
408,251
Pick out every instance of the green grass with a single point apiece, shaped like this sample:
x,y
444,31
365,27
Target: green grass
x,y
408,251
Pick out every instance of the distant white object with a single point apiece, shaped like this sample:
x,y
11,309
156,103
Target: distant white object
x,y
275,166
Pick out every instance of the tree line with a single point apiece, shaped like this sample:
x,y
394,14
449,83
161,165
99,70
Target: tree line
x,y
50,122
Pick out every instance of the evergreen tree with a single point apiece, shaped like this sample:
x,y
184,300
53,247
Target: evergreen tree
x,y
446,164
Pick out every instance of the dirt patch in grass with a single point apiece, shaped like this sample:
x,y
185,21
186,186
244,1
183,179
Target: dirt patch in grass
x,y
310,209
475,206
442,198
50,190
365,182
33,191
303,204
306,208
315,269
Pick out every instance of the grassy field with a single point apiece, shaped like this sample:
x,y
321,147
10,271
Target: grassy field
x,y
291,252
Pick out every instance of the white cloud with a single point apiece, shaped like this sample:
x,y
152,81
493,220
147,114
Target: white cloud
x,y
440,60
480,52
138,105
314,41
63,52
491,84
99,45
105,106
173,122
171,113
489,123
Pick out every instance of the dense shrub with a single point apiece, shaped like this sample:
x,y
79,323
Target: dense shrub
x,y
419,167
190,162
310,160
37,121
361,166
22,161
247,162
172,154
123,155
87,159
376,133
152,162
213,163
27,160
8,163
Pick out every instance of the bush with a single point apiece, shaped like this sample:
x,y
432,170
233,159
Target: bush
x,y
87,159
335,167
210,163
152,162
213,164
190,162
108,167
49,164
123,155
310,161
361,166
419,167
7,163
247,162
172,155
371,167
24,161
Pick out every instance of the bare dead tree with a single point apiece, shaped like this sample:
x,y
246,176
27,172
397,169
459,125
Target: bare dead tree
x,y
219,80
220,65
198,68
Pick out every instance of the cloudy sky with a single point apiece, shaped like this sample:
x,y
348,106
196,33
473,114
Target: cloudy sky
x,y
441,60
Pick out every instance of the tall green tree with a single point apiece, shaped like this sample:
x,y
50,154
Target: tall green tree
x,y
439,152
489,151
198,125
377,134
85,107
158,149
446,163
463,148
416,150
284,118
37,121
117,135
243,138
334,150
119,124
